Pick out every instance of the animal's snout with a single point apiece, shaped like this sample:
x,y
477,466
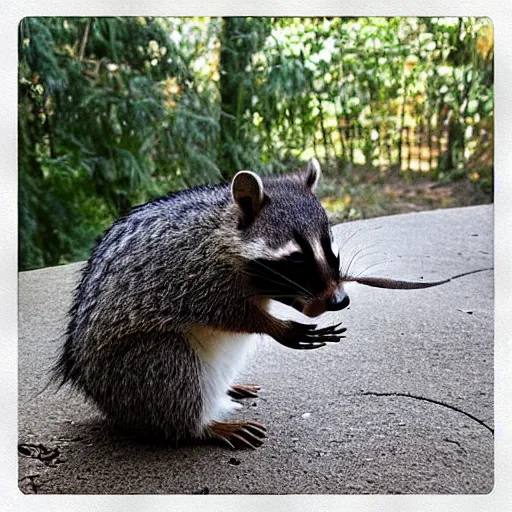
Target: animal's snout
x,y
339,301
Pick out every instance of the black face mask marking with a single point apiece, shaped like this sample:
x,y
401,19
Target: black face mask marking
x,y
299,275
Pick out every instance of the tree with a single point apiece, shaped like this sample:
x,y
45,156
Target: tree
x,y
107,119
241,39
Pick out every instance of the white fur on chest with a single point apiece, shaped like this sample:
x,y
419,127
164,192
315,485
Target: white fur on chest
x,y
222,355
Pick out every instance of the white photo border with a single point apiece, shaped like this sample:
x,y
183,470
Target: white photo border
x,y
499,11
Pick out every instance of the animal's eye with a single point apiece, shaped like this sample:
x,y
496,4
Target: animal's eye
x,y
296,257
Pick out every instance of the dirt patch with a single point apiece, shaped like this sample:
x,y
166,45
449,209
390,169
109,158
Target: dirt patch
x,y
370,193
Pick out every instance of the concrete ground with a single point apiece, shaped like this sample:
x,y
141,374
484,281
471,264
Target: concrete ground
x,y
403,405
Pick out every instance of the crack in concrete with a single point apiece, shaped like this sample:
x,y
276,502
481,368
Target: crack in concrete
x,y
455,442
432,401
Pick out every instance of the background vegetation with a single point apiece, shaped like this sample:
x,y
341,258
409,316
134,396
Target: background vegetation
x,y
116,111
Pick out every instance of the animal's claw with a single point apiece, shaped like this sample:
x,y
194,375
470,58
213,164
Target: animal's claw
x,y
237,435
307,336
244,391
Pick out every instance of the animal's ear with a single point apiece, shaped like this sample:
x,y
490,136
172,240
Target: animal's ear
x,y
313,174
247,192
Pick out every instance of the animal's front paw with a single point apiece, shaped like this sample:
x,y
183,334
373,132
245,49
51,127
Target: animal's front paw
x,y
307,336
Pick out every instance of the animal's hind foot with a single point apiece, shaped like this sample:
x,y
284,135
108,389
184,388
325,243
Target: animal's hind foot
x,y
247,434
244,391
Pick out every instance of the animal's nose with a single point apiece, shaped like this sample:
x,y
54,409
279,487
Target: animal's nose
x,y
339,301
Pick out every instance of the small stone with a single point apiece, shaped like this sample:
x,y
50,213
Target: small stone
x,y
234,462
306,415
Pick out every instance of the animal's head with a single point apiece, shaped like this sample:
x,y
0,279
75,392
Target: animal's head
x,y
287,243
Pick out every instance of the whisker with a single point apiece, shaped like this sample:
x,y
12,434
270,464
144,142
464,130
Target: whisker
x,y
371,266
355,233
266,278
358,260
357,254
284,277
271,294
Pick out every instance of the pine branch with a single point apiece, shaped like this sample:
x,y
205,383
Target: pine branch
x,y
85,38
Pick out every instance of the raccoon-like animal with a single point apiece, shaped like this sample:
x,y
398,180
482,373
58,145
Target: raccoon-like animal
x,y
177,291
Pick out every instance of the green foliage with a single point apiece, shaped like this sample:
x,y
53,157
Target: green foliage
x,y
350,90
240,40
99,128
115,111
